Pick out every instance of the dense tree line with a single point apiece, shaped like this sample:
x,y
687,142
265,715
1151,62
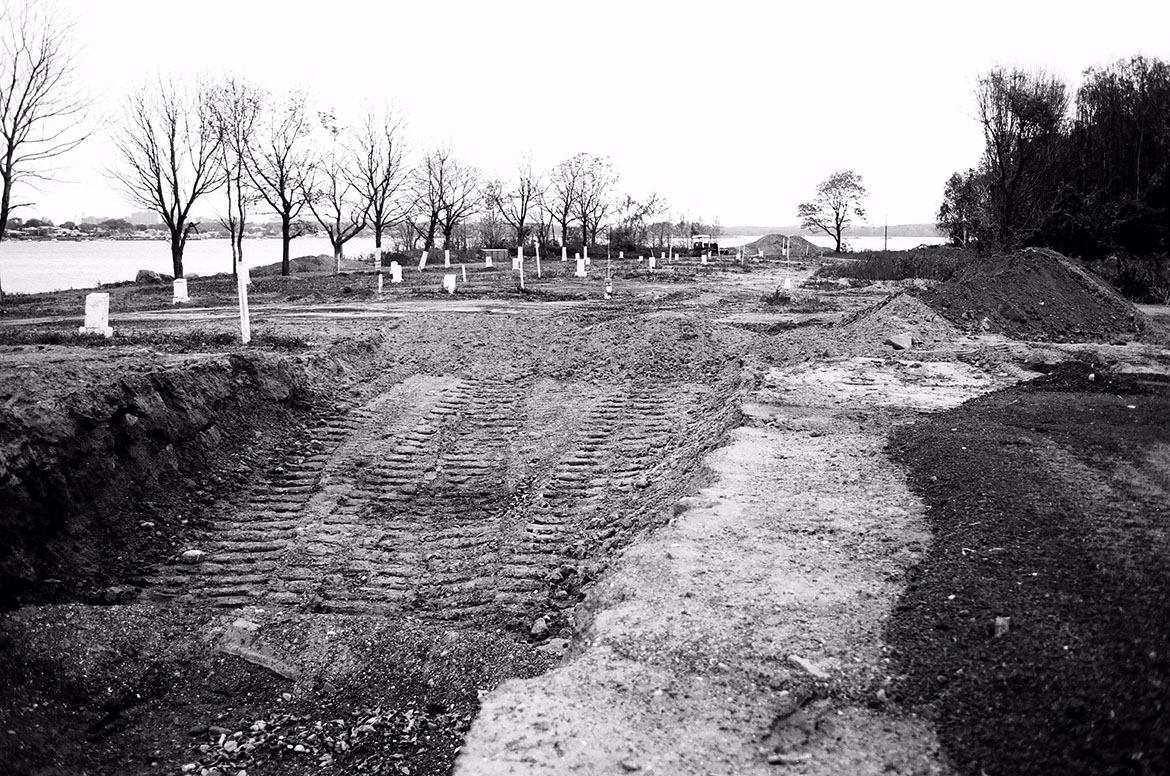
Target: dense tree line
x,y
1089,176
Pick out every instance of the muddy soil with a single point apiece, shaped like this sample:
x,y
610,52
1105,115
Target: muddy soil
x,y
538,530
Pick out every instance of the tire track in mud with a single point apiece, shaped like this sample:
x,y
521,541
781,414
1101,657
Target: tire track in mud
x,y
451,500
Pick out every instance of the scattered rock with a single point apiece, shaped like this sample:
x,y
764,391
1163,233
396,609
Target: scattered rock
x,y
539,629
807,666
900,341
149,276
192,556
629,766
1002,626
784,758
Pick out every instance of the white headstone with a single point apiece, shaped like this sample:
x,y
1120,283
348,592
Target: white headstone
x,y
395,272
580,267
464,268
621,254
422,262
652,264
608,289
703,260
380,282
180,294
449,282
487,262
97,315
564,253
446,257
787,284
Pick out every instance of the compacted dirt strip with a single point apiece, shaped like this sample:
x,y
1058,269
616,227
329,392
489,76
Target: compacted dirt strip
x,y
746,635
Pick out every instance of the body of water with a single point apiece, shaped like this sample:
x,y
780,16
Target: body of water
x,y
876,243
28,266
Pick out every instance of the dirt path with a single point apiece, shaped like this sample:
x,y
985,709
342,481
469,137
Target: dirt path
x,y
746,635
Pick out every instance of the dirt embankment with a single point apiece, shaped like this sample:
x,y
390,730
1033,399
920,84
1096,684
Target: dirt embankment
x,y
102,461
1035,294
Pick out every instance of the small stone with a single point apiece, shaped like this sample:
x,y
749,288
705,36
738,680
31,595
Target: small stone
x,y
299,748
1002,626
807,666
230,746
629,766
193,556
190,767
900,341
539,628
784,758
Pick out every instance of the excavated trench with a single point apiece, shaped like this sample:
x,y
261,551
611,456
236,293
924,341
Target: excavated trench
x,y
397,525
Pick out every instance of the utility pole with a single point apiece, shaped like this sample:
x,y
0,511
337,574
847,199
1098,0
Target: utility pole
x,y
886,235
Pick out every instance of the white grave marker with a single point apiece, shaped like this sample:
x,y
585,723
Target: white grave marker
x,y
608,289
564,253
652,264
538,260
180,293
787,284
621,254
97,315
449,282
379,282
446,258
422,262
703,260
464,268
395,272
580,267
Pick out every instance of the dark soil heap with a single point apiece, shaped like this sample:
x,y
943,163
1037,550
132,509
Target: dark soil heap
x,y
1036,294
773,245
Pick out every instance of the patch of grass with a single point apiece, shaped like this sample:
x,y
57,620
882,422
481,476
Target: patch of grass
x,y
784,300
934,263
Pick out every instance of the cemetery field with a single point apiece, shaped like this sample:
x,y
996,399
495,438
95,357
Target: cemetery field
x,y
713,523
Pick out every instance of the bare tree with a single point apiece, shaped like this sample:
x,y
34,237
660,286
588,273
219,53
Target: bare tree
x,y
560,202
41,114
235,106
838,199
518,202
279,160
382,171
446,191
594,194
334,193
170,149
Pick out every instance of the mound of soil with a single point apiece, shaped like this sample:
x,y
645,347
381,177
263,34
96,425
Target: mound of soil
x,y
898,313
1035,294
773,245
1036,631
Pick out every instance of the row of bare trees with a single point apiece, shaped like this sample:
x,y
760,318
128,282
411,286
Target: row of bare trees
x,y
182,143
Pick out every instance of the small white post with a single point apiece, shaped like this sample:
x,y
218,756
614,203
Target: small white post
x,y
395,272
245,317
520,262
379,282
538,261
97,315
787,284
446,257
608,289
621,254
422,262
651,263
580,266
487,261
703,260
564,253
464,268
449,283
180,291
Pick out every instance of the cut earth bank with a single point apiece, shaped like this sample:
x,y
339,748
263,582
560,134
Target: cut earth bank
x,y
684,491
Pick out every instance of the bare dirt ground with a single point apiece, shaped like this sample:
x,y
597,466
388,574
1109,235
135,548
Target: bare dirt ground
x,y
543,532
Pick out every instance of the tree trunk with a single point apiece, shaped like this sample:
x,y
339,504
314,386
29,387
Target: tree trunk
x,y
338,250
177,251
285,239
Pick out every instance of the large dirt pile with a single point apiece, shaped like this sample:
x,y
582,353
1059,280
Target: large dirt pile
x,y
773,245
1035,294
898,313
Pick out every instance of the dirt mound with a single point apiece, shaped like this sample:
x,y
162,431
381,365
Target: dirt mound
x,y
1035,294
898,313
773,245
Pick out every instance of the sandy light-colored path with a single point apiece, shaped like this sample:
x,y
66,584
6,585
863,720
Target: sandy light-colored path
x,y
745,637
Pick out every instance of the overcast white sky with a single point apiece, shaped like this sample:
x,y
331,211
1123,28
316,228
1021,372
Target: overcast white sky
x,y
729,109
